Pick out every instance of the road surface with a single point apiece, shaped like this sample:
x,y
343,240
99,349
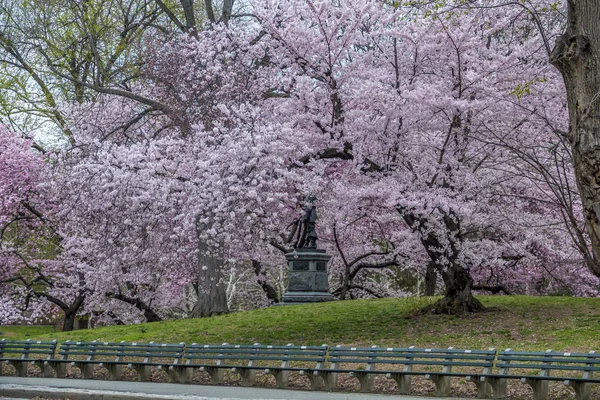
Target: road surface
x,y
82,389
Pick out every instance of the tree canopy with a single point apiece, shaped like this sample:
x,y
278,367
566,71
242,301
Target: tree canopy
x,y
434,136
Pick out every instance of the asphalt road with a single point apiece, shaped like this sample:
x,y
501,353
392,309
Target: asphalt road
x,y
81,389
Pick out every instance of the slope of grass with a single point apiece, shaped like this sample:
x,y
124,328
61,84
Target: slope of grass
x,y
518,322
22,332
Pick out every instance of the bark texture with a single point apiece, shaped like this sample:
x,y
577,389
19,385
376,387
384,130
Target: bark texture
x,y
576,55
430,279
71,313
211,289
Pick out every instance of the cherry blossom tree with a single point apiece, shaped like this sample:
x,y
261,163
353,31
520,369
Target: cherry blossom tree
x,y
125,212
33,282
431,137
372,107
401,102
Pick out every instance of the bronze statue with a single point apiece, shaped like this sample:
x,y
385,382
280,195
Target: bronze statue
x,y
308,220
304,227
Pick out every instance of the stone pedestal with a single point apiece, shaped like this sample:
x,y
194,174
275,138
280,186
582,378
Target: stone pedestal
x,y
308,281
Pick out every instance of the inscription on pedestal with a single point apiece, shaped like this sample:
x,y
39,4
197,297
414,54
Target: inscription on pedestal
x,y
300,265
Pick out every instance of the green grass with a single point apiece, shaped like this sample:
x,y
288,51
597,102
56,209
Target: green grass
x,y
518,322
19,332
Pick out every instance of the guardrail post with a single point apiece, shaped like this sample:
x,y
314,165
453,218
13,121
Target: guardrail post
x,y
114,370
539,386
442,382
583,390
20,368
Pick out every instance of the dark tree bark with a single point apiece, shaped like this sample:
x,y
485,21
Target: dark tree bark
x,y
149,313
352,268
576,55
458,298
430,279
70,311
69,322
261,276
211,290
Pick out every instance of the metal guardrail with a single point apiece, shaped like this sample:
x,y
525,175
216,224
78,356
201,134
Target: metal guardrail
x,y
490,370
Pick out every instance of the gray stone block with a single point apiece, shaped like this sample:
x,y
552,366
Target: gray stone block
x,y
308,281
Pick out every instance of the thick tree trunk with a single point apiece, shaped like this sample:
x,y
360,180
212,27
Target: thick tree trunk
x,y
69,322
345,282
444,252
430,279
70,312
458,298
576,55
211,289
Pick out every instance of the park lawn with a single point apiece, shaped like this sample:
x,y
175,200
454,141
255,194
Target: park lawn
x,y
517,322
19,332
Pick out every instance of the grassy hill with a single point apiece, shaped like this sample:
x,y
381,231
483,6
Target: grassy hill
x,y
518,322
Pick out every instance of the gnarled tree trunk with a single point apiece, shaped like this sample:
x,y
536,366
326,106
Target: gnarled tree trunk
x,y
71,313
458,298
444,252
576,55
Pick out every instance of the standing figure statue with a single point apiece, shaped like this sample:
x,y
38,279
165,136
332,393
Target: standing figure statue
x,y
303,233
309,219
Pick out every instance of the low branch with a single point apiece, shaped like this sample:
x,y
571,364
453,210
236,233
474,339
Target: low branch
x,y
492,289
149,313
334,153
328,153
372,253
512,257
171,112
382,265
280,247
40,216
371,166
111,314
359,287
40,277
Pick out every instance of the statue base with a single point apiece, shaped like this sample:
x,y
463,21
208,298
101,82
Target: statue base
x,y
308,280
305,297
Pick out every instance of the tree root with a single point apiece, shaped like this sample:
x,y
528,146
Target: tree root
x,y
454,306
